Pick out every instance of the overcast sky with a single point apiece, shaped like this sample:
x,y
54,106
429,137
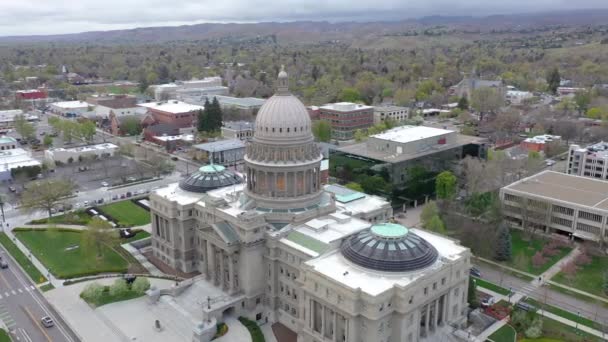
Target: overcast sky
x,y
26,17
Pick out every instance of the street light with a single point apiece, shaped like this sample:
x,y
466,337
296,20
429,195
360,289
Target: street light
x,y
578,316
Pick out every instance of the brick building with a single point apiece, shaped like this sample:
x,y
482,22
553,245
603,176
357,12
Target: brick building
x,y
173,112
346,118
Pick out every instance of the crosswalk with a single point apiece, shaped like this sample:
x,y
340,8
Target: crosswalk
x,y
14,292
6,317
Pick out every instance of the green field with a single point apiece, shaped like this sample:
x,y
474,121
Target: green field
x,y
4,336
127,213
528,249
50,245
589,278
22,260
556,331
504,334
565,314
490,286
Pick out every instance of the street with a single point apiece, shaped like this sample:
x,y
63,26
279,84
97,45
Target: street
x,y
22,306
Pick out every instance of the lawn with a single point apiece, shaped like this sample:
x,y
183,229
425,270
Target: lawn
x,y
528,249
504,334
77,217
491,286
4,336
588,278
21,259
55,249
556,331
127,213
46,287
565,314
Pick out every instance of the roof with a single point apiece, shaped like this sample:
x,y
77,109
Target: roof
x,y
561,187
354,202
390,109
238,125
221,145
7,140
163,128
226,231
345,106
210,177
14,158
344,194
405,134
307,242
172,106
88,148
71,104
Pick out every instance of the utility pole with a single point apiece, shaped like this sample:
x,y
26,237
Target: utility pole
x,y
2,208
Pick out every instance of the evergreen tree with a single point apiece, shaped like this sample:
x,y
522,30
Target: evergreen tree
x,y
503,244
215,117
473,302
553,80
463,103
204,118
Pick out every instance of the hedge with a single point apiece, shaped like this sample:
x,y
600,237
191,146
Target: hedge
x,y
254,329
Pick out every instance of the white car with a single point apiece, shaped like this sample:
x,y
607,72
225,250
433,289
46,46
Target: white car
x,y
86,203
105,184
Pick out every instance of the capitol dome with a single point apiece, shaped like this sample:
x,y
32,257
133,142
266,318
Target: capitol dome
x,y
389,247
283,116
210,177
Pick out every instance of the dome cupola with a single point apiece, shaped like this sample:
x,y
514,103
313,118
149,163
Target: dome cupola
x,y
210,177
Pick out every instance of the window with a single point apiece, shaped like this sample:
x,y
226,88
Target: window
x,y
258,300
442,281
434,286
258,316
426,291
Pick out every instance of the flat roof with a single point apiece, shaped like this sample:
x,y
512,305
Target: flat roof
x,y
172,106
16,157
238,125
405,134
184,137
221,145
556,186
7,140
88,148
71,104
344,106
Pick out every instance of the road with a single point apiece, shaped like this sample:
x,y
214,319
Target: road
x,y
22,306
594,311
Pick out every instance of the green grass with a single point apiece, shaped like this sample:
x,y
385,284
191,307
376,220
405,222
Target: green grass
x,y
78,217
528,249
49,246
565,314
576,295
254,329
4,336
556,331
107,298
127,213
21,259
589,278
490,286
139,235
504,334
46,287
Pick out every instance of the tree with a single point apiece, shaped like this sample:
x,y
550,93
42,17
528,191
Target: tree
x,y
322,130
45,195
472,294
582,99
436,225
25,129
161,165
486,100
131,126
553,80
140,285
569,270
350,95
463,103
354,186
119,288
204,118
47,141
503,244
92,292
538,260
360,135
99,236
445,186
86,130
536,329
374,185
429,211
215,116
126,149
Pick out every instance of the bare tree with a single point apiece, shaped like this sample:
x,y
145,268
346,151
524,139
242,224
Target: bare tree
x,y
99,234
46,195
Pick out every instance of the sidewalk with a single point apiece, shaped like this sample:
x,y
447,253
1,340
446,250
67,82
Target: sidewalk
x,y
572,324
492,329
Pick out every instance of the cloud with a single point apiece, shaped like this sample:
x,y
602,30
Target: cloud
x,y
24,17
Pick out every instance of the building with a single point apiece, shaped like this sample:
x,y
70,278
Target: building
x,y
314,112
517,97
8,143
392,113
591,161
70,108
113,103
558,203
277,247
76,154
345,118
7,118
199,92
242,130
169,91
13,158
160,130
172,142
400,148
469,84
31,94
539,142
244,105
565,91
223,152
116,121
174,112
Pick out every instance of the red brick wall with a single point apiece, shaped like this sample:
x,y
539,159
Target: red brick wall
x,y
182,120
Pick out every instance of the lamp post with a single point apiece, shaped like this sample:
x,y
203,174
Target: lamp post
x,y
578,316
2,207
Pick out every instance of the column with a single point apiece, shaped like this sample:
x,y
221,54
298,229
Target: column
x,y
222,276
322,319
210,262
427,319
204,257
436,313
231,288
445,308
335,328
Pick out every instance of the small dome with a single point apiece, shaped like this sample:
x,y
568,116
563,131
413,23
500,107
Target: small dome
x,y
283,116
210,177
389,247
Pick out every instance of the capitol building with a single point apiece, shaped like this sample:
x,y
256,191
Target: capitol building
x,y
279,247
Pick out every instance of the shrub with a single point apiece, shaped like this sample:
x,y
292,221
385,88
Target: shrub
x,y
140,285
518,319
92,292
119,288
254,329
536,328
538,260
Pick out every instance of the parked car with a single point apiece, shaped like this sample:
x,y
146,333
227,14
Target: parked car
x,y
3,264
12,189
525,306
487,302
174,158
474,271
122,196
47,321
99,201
86,203
105,184
129,194
131,179
114,197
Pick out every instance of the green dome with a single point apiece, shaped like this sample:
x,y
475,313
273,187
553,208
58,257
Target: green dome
x,y
389,230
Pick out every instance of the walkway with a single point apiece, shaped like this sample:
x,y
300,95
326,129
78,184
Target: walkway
x,y
236,331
